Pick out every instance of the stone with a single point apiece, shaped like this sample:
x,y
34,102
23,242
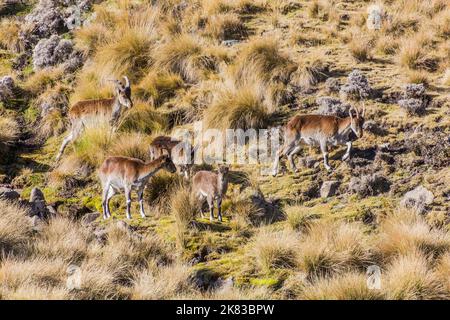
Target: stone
x,y
38,204
6,88
329,188
375,17
90,218
417,199
8,194
36,223
369,185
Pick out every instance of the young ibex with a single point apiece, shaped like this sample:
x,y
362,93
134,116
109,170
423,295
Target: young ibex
x,y
211,186
123,173
165,145
321,130
84,111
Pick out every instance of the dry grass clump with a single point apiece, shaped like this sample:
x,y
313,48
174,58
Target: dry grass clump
x,y
446,78
15,228
9,130
333,247
159,87
410,277
89,85
131,144
9,34
159,190
43,79
143,118
225,26
169,282
413,54
407,231
62,238
348,286
52,124
238,108
184,207
299,219
360,48
274,249
239,293
184,55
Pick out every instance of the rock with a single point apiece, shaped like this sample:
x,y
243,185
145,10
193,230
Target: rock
x,y
51,51
229,43
122,225
369,185
6,88
8,194
36,223
100,234
329,188
89,218
356,88
223,285
417,199
332,106
375,17
332,85
38,204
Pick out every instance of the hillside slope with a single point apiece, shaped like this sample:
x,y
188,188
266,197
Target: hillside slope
x,y
230,64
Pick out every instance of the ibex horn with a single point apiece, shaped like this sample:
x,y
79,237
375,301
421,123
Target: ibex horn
x,y
127,82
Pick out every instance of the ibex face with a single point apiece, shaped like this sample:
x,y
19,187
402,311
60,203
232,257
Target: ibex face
x,y
357,122
168,164
123,92
223,170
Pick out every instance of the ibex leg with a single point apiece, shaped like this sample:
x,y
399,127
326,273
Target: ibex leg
x,y
347,153
324,149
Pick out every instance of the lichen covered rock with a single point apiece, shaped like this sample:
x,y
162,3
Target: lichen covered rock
x,y
52,51
356,88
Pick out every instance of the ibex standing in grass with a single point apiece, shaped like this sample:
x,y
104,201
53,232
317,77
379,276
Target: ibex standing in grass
x,y
211,186
321,130
123,173
166,145
87,110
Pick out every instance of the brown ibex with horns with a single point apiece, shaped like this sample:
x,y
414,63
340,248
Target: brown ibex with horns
x,y
322,130
83,111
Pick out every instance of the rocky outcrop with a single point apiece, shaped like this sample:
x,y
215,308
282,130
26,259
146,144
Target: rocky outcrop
x,y
8,194
369,185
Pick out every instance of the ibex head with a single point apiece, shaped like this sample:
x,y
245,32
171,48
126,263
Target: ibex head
x,y
223,170
357,120
123,92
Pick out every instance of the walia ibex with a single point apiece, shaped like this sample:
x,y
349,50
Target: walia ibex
x,y
321,130
211,186
86,111
181,152
123,173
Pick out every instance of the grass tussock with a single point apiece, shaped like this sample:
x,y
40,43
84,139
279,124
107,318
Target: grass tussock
x,y
406,231
15,228
333,247
410,277
159,87
9,130
274,250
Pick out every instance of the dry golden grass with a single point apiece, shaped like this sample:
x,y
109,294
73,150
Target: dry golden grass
x,y
274,250
407,231
15,228
409,277
159,87
224,26
9,34
333,247
348,286
9,130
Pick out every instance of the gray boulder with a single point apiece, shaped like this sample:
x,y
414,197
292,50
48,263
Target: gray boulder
x,y
369,185
417,199
6,88
329,188
89,218
38,204
8,194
